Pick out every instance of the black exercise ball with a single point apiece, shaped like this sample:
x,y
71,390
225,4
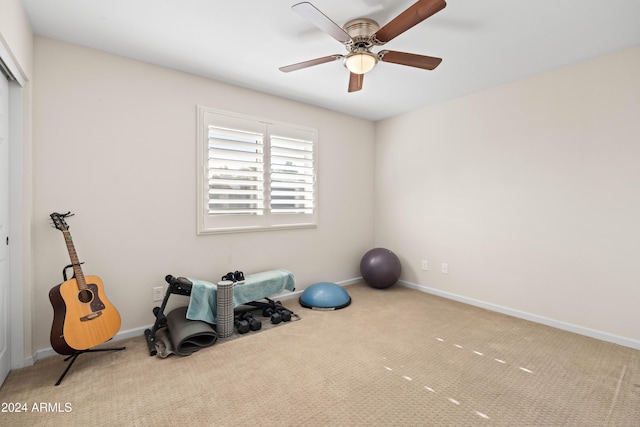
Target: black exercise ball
x,y
380,268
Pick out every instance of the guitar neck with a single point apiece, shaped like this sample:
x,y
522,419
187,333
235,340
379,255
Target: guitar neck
x,y
75,263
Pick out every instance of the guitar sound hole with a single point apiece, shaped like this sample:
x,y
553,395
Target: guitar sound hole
x,y
85,296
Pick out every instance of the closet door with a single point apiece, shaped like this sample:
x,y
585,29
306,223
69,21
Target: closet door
x,y
5,324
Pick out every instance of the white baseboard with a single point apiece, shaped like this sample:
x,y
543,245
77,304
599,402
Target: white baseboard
x,y
592,333
350,281
297,293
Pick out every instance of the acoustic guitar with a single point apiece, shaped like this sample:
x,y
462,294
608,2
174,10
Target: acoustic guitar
x,y
83,317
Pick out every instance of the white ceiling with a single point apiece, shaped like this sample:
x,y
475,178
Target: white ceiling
x,y
244,42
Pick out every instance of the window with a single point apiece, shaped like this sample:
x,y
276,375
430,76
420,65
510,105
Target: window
x,y
254,174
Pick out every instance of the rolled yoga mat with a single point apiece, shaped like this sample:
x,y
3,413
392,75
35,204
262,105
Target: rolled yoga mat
x,y
188,336
224,309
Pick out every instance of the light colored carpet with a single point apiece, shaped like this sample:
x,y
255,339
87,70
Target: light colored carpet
x,y
393,357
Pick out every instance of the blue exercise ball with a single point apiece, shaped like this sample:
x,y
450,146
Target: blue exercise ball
x,y
325,296
380,268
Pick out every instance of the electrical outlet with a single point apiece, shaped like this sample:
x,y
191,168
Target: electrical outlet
x,y
425,266
158,293
445,268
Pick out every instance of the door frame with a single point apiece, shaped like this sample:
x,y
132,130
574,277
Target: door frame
x,y
17,217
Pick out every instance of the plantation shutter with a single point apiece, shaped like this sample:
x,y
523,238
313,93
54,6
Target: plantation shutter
x,y
255,174
292,174
235,168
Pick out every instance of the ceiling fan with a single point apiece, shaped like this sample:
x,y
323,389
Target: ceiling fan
x,y
360,35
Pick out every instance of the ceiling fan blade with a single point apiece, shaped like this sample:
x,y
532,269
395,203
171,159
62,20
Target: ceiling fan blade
x,y
410,59
320,20
415,14
309,63
355,82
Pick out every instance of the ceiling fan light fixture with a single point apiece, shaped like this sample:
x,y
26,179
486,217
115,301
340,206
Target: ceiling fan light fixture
x,y
360,62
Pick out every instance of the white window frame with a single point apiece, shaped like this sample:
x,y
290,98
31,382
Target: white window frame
x,y
265,130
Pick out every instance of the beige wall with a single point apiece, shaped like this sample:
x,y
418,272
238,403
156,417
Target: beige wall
x,y
530,192
115,143
15,32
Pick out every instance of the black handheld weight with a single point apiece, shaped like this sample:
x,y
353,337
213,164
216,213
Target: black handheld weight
x,y
278,314
245,322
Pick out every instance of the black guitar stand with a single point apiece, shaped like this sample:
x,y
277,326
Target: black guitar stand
x,y
77,353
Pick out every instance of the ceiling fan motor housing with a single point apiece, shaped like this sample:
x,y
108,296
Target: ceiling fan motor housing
x,y
361,31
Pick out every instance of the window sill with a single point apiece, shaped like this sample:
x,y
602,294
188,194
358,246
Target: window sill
x,y
251,229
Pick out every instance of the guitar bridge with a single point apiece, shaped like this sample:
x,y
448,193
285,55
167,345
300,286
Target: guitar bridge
x,y
91,316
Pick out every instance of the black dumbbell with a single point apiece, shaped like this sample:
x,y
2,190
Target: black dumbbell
x,y
276,318
278,314
286,315
254,324
241,325
273,313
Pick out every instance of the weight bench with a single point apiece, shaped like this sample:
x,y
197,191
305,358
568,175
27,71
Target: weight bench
x,y
255,287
